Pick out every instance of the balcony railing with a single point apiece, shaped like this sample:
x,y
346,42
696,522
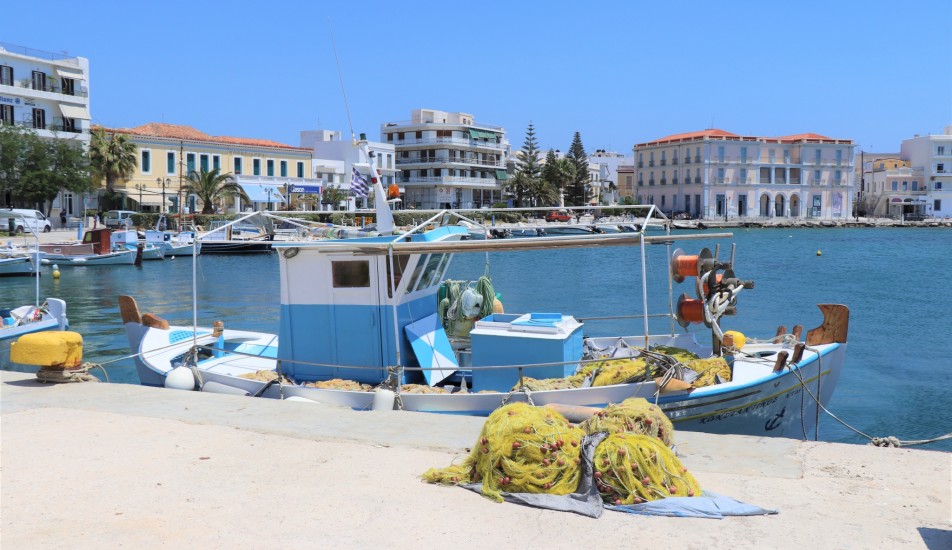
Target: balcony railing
x,y
674,181
650,163
674,161
697,160
450,160
457,180
697,180
664,181
51,87
641,164
663,162
466,142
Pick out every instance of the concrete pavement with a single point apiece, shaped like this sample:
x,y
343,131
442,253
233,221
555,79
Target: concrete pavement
x,y
106,465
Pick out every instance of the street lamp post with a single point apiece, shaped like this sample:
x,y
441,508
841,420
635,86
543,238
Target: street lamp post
x,y
287,195
141,187
163,184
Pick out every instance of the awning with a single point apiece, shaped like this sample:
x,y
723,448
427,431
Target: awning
x,y
501,175
315,189
258,192
69,74
150,198
72,111
477,134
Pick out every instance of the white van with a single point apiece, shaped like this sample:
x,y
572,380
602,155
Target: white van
x,y
21,220
119,219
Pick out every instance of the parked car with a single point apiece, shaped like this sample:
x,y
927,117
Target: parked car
x,y
20,220
116,219
558,216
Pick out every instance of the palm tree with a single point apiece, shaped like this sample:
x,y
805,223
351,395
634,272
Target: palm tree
x,y
562,174
112,157
211,187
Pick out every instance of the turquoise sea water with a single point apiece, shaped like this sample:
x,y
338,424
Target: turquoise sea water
x,y
895,281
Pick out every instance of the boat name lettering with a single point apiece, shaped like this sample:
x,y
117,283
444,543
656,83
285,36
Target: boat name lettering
x,y
743,410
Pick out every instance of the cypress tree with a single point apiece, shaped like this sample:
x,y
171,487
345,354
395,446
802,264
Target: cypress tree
x,y
528,167
579,158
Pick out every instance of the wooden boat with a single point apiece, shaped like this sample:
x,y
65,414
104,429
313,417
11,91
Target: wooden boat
x,y
388,286
95,250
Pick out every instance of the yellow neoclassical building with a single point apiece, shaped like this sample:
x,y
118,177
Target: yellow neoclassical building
x,y
167,153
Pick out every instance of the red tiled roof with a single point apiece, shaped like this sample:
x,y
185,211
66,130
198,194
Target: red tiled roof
x,y
687,136
180,131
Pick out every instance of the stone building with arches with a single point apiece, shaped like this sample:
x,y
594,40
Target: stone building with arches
x,y
714,174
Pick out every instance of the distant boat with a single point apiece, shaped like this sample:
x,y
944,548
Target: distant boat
x,y
17,264
128,239
96,249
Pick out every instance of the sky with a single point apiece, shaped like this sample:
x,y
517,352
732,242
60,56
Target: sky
x,y
619,73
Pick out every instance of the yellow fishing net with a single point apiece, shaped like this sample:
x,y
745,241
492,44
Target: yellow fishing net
x,y
521,449
339,384
632,468
708,370
634,415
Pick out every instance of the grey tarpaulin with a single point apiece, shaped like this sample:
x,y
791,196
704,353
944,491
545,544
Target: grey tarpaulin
x,y
587,502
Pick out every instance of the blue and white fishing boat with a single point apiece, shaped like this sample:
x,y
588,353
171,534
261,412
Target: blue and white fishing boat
x,y
362,326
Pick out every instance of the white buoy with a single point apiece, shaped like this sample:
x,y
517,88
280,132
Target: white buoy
x,y
180,378
383,399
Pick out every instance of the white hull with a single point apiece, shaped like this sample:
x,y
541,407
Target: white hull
x,y
22,266
123,257
52,318
757,402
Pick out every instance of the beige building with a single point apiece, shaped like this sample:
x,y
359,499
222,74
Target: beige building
x,y
167,153
717,174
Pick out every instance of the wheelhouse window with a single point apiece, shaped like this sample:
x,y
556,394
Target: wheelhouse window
x,y
351,274
400,262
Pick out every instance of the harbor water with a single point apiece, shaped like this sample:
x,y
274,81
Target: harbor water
x,y
895,381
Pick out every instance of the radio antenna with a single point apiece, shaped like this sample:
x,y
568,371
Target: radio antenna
x,y
340,75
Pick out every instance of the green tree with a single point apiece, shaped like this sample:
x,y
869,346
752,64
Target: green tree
x,y
559,173
333,195
577,192
212,187
528,169
34,170
112,157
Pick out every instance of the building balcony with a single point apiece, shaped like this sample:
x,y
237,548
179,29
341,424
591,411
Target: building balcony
x,y
650,163
663,162
443,161
28,87
461,142
697,160
697,180
641,164
664,181
674,161
457,181
674,181
687,160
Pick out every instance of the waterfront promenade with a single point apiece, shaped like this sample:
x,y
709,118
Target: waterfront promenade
x,y
107,465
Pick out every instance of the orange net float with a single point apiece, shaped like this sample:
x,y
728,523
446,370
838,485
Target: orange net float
x,y
685,265
689,311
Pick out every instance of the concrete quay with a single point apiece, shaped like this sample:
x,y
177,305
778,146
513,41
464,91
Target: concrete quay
x,y
107,465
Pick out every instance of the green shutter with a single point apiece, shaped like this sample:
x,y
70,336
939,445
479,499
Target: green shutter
x,y
501,175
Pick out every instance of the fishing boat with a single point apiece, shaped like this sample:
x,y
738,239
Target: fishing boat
x,y
128,239
95,250
19,264
405,353
253,235
173,243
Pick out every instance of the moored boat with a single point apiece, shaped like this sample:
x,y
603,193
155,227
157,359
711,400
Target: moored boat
x,y
390,287
95,250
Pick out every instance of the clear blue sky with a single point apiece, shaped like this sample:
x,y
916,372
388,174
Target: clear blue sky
x,y
619,73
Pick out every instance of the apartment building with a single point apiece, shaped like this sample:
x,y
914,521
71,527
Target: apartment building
x,y
48,92
930,159
266,170
333,160
717,174
448,160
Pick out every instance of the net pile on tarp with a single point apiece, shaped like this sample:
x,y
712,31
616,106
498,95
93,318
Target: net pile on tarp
x,y
634,415
633,468
521,449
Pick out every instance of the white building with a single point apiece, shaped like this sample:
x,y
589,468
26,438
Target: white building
x,y
49,93
717,174
607,163
930,159
448,160
334,158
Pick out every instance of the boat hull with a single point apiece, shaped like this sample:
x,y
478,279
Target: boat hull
x,y
17,267
235,247
767,404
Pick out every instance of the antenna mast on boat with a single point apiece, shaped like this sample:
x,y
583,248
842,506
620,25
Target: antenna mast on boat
x,y
340,76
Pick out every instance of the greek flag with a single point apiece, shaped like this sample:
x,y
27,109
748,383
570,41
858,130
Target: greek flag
x,y
358,183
